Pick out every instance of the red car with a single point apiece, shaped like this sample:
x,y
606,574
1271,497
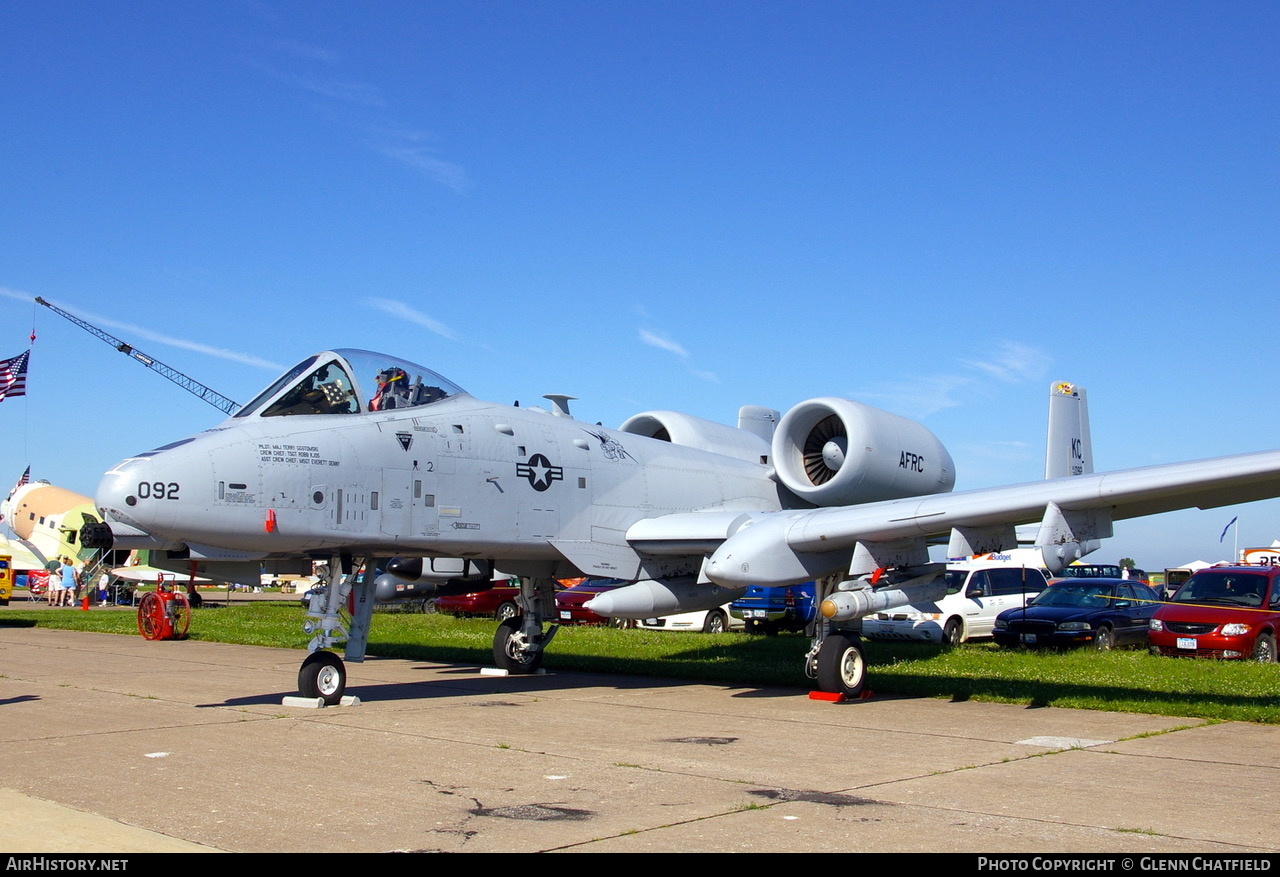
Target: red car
x,y
1221,612
497,602
569,608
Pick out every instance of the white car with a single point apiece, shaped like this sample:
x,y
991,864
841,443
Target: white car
x,y
973,600
705,620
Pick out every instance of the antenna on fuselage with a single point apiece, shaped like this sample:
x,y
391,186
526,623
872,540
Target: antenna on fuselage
x,y
560,403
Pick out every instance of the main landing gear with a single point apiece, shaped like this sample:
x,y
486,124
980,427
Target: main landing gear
x,y
338,613
519,642
836,661
840,665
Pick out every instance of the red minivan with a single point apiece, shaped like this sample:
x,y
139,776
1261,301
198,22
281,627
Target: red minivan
x,y
1221,612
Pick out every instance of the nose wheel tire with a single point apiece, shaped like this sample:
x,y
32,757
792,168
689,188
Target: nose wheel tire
x,y
842,665
509,651
323,675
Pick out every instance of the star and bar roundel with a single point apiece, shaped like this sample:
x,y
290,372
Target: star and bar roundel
x,y
540,472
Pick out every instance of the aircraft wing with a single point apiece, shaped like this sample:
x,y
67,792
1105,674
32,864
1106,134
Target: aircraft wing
x,y
791,546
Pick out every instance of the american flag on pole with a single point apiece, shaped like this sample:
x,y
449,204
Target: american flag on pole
x,y
13,376
25,479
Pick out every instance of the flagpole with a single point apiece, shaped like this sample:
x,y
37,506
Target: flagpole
x,y
1235,539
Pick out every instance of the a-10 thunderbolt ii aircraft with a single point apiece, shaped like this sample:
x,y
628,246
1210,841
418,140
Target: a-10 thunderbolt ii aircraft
x,y
353,454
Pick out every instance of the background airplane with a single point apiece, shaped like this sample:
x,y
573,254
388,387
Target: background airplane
x,y
46,520
357,454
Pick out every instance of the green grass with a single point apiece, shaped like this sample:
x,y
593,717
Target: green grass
x,y
1122,681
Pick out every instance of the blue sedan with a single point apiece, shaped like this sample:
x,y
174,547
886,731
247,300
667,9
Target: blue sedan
x,y
1076,612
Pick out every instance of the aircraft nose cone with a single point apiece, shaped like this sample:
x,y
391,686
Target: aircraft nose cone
x,y
601,604
115,490
123,494
722,570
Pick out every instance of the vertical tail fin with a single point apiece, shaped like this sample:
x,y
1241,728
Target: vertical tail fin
x,y
1070,449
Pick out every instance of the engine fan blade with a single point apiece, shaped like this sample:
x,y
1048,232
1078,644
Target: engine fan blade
x,y
828,429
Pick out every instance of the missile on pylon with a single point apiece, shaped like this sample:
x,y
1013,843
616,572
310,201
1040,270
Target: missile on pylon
x,y
854,604
653,598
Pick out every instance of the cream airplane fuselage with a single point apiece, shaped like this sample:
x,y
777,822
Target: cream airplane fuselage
x,y
48,519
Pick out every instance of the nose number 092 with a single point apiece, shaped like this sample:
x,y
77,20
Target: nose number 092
x,y
157,490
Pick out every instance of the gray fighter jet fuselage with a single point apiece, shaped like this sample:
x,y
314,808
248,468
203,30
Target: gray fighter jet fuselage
x,y
319,464
353,453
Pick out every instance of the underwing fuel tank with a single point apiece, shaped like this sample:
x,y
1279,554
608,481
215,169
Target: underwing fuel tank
x,y
851,605
654,598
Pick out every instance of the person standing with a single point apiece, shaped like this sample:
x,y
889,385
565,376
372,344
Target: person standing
x,y
53,581
68,574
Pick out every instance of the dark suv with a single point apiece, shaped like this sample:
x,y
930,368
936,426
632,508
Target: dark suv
x,y
1221,612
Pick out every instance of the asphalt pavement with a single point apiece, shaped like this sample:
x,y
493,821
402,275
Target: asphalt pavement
x,y
119,745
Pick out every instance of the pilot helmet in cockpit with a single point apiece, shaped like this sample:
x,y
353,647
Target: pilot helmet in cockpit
x,y
393,382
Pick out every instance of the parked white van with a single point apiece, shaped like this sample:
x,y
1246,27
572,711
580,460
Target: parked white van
x,y
978,590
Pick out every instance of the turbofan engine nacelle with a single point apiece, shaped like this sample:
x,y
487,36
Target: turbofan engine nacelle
x,y
832,451
694,432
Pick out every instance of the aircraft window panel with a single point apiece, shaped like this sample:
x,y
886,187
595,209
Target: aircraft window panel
x,y
373,500
327,390
350,376
388,382
280,383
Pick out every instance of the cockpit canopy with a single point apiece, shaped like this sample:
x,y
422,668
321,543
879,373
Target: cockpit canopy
x,y
347,381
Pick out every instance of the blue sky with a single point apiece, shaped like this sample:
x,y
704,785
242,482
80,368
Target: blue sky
x,y
936,208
